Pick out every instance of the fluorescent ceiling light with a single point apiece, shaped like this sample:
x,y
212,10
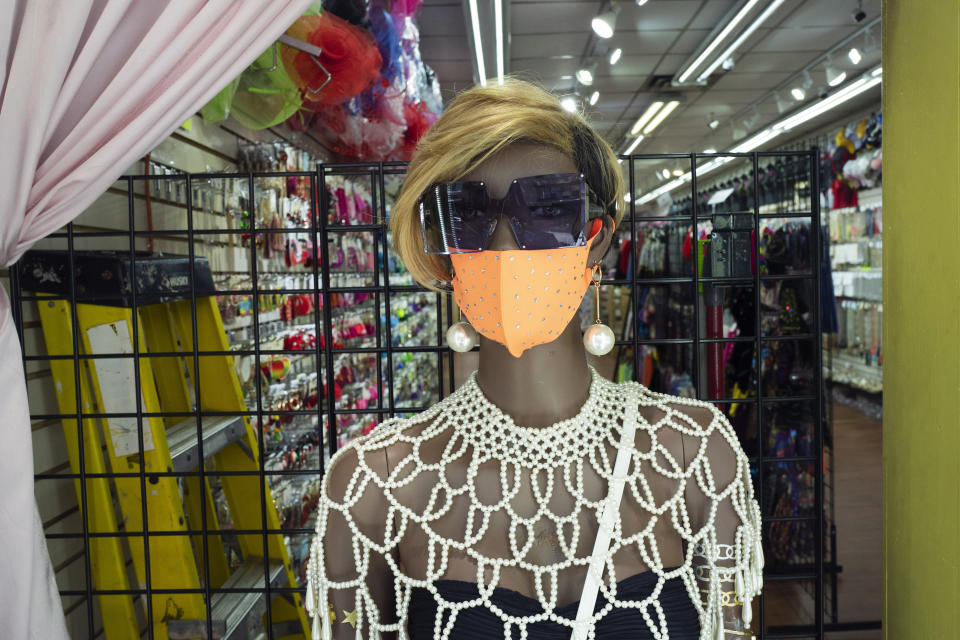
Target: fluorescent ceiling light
x,y
498,20
604,23
850,91
798,94
864,83
615,55
716,41
477,45
855,56
569,104
633,145
710,150
835,77
739,41
594,97
660,117
645,118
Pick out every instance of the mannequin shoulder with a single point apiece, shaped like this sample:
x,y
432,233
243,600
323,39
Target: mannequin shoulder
x,y
690,429
371,458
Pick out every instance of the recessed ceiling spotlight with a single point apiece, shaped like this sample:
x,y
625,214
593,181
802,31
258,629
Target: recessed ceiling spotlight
x,y
615,55
569,103
594,97
604,23
798,94
713,124
854,55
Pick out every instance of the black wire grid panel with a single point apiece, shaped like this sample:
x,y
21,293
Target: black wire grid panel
x,y
387,348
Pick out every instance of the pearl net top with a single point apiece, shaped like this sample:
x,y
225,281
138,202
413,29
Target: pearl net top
x,y
462,492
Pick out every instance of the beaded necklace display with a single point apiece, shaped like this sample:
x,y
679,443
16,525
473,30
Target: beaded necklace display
x,y
722,561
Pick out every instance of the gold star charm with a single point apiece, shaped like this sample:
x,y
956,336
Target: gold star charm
x,y
331,613
350,617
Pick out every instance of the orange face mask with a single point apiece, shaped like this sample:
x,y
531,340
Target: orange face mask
x,y
521,298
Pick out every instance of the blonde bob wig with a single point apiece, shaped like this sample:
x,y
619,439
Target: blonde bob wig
x,y
475,125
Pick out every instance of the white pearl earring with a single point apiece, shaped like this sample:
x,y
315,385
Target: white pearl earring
x,y
461,336
599,338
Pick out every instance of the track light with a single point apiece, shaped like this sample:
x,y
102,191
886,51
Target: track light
x,y
585,74
603,25
855,56
569,103
834,76
615,55
782,103
640,3
661,116
665,174
713,124
594,97
727,64
798,94
678,172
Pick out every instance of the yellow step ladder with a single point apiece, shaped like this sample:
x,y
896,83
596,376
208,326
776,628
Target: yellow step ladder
x,y
163,324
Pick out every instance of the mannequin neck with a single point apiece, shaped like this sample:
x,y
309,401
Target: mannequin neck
x,y
546,384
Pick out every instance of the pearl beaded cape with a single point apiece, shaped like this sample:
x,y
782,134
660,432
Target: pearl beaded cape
x,y
467,494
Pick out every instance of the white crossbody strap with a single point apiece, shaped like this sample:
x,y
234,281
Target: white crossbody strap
x,y
611,511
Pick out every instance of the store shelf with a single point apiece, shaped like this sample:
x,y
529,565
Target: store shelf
x,y
234,615
853,371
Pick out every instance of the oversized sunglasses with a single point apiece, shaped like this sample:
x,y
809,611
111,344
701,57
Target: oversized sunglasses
x,y
543,212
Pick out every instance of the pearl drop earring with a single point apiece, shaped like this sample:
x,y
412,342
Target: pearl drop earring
x,y
461,336
599,338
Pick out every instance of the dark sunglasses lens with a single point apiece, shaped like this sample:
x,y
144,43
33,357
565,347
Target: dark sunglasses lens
x,y
455,217
551,213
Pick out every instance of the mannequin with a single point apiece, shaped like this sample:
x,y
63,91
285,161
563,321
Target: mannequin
x,y
482,516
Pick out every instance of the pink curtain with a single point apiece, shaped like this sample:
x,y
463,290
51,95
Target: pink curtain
x,y
88,87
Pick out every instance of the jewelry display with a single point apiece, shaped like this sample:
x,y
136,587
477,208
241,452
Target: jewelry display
x,y
474,424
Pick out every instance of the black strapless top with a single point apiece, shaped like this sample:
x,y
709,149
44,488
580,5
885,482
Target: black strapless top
x,y
480,623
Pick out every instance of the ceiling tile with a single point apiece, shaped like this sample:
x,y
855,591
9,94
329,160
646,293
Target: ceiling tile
x,y
689,41
711,13
670,64
442,20
657,16
757,62
755,81
647,42
830,14
539,46
801,39
552,17
444,48
635,66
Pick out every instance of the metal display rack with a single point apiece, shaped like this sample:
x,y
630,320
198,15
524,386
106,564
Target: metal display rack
x,y
210,229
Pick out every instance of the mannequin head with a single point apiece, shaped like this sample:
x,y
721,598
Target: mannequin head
x,y
498,133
